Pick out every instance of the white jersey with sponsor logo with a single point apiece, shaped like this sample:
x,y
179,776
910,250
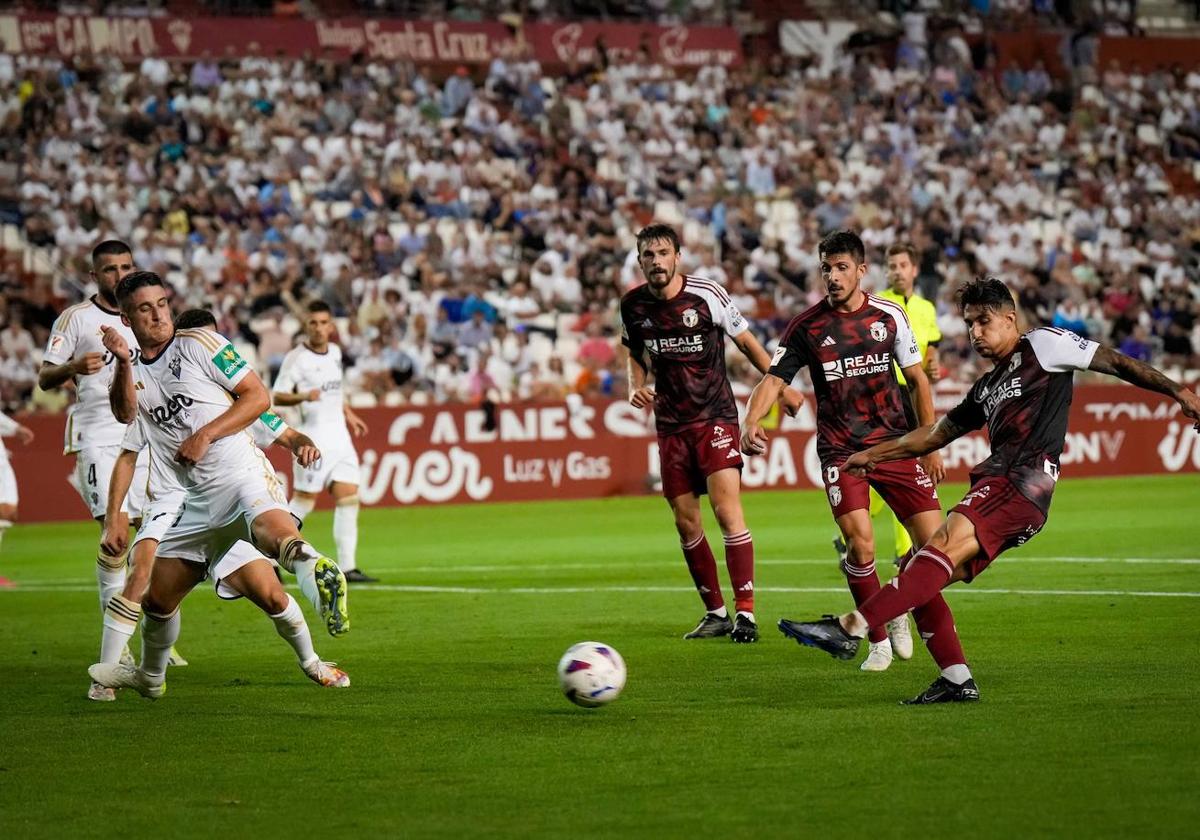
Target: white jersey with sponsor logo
x,y
187,385
77,331
302,371
164,476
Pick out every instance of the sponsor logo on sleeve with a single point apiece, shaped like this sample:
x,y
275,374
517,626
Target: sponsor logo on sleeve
x,y
271,420
228,361
780,352
56,343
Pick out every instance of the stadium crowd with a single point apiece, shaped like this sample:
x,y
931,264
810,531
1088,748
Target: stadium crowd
x,y
473,233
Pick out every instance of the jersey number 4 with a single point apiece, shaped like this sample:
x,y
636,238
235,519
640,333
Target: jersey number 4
x,y
92,475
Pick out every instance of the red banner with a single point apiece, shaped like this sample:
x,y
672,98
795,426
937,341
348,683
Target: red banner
x,y
433,455
554,44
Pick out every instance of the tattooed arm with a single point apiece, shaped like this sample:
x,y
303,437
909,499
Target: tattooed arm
x,y
916,443
1114,363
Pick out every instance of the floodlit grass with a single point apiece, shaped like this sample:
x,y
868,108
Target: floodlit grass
x,y
454,725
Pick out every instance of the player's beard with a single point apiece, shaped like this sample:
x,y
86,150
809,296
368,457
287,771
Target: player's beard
x,y
660,281
108,296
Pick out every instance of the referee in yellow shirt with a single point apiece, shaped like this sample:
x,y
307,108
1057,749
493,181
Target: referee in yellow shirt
x,y
902,276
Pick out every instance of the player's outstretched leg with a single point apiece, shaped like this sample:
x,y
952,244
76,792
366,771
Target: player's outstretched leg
x,y
256,580
320,579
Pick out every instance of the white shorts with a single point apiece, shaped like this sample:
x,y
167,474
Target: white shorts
x,y
157,518
93,471
8,482
212,518
337,463
238,555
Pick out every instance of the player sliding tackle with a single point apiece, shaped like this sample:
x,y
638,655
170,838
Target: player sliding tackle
x,y
674,327
165,496
181,387
1024,401
849,343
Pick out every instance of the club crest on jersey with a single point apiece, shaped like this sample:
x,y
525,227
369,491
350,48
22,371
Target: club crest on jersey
x,y
690,318
878,330
175,366
835,495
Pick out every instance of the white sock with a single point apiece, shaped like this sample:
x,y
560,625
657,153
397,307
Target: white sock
x,y
301,506
110,578
159,635
720,612
957,674
4,526
293,629
304,571
120,620
748,615
345,532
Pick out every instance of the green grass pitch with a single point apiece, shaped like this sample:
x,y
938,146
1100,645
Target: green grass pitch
x,y
454,726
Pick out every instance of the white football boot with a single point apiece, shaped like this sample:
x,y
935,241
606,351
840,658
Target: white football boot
x,y
901,637
879,656
122,676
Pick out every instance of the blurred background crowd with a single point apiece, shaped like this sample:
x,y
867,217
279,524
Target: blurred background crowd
x,y
474,230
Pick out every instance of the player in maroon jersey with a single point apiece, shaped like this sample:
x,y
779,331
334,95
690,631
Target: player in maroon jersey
x,y
1024,401
848,342
674,327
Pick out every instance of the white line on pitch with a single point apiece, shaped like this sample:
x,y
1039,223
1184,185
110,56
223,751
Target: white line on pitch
x,y
659,563
569,590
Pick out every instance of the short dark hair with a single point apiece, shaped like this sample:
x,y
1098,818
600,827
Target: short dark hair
x,y
318,306
987,292
191,319
110,248
843,242
898,248
130,283
651,233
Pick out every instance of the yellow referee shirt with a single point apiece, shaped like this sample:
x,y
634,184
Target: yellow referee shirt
x,y
922,316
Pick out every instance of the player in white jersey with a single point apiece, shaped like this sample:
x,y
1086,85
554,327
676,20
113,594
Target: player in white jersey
x,y
164,496
75,352
196,397
8,479
311,378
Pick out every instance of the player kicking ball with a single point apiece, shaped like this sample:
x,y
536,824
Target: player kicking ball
x,y
196,396
674,327
311,378
1024,401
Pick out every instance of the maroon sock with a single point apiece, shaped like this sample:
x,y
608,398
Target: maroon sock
x,y
936,625
922,579
863,583
739,560
703,566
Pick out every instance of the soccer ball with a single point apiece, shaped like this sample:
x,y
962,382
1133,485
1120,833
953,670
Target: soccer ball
x,y
591,674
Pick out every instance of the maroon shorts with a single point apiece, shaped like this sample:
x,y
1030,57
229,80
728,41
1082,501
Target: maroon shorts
x,y
688,457
904,486
1003,519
